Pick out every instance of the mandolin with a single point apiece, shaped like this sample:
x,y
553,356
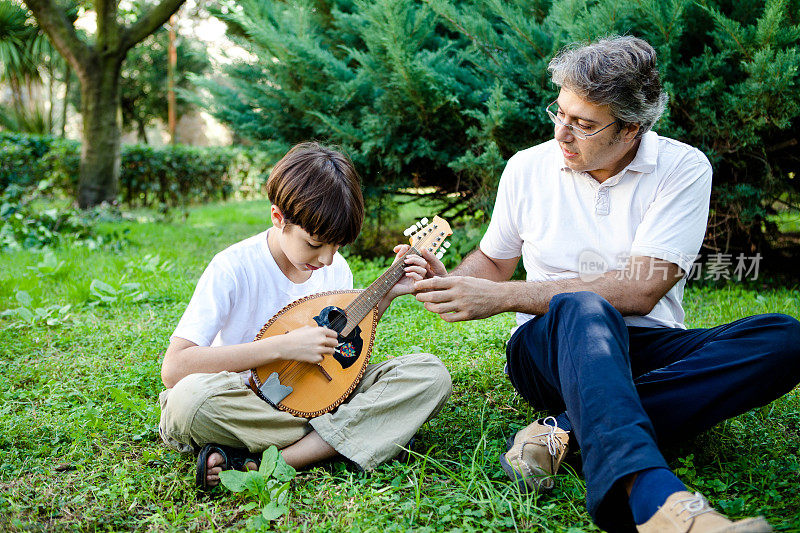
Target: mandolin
x,y
312,389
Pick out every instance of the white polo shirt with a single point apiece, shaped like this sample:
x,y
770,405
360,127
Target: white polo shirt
x,y
565,224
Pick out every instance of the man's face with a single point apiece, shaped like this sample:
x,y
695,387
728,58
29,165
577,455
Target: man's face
x,y
602,155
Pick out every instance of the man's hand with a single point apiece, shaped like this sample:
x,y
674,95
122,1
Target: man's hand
x,y
433,266
307,344
458,298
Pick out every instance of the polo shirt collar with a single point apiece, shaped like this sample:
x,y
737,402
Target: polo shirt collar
x,y
647,155
644,161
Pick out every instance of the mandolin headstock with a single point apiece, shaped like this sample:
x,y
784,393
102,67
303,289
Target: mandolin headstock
x,y
431,236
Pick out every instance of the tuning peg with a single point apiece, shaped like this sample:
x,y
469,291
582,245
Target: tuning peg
x,y
424,220
408,231
446,244
440,254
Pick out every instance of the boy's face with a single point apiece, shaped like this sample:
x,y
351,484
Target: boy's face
x,y
303,251
297,249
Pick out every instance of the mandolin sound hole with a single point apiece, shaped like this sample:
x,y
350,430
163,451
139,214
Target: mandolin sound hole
x,y
350,346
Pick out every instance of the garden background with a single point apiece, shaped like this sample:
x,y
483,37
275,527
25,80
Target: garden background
x,y
102,241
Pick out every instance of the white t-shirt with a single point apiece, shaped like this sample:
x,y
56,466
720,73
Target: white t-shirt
x,y
243,287
565,224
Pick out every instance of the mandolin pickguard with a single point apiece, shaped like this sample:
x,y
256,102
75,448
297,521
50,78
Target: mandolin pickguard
x,y
349,347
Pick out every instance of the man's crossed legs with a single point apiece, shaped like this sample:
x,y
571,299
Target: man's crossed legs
x,y
627,389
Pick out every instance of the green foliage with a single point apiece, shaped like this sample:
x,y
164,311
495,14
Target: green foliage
x,y
32,119
105,294
25,55
151,263
21,158
443,92
24,226
269,485
167,176
48,266
143,84
27,315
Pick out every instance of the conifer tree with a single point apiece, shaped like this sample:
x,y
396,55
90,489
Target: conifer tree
x,y
444,92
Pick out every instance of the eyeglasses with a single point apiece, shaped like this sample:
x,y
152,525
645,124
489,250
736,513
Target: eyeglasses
x,y
574,130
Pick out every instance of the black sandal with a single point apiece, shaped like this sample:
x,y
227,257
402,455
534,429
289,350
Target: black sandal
x,y
232,459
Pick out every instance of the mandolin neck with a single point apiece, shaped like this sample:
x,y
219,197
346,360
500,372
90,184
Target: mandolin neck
x,y
372,295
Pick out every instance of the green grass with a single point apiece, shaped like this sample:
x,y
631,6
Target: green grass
x,y
78,409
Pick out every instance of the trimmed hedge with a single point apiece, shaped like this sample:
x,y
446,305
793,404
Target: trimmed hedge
x,y
169,175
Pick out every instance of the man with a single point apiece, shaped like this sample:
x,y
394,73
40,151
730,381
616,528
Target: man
x,y
608,218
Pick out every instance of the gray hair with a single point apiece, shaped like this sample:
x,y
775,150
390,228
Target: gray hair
x,y
616,71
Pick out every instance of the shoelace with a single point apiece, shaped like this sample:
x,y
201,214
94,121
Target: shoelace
x,y
553,444
695,506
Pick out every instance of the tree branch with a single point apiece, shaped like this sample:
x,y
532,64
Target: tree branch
x,y
148,23
61,32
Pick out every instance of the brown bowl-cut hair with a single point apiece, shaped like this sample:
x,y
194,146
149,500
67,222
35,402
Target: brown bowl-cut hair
x,y
318,189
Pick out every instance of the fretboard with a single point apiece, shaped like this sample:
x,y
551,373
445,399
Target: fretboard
x,y
367,300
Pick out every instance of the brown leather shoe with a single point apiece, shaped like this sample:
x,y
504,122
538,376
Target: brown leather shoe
x,y
684,512
535,455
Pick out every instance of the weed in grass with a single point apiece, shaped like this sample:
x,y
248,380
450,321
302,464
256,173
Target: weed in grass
x,y
104,294
150,263
269,485
48,266
28,315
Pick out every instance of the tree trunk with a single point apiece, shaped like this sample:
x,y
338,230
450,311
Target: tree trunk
x,y
100,150
51,96
67,81
142,131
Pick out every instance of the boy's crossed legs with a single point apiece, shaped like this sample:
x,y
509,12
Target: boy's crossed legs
x,y
393,399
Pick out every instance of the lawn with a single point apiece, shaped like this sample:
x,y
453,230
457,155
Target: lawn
x,y
79,410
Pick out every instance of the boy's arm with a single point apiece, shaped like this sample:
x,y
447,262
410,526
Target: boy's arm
x,y
183,357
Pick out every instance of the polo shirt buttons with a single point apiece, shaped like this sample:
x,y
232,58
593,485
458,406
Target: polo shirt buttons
x,y
602,202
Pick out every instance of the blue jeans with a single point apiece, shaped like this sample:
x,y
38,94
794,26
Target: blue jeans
x,y
627,389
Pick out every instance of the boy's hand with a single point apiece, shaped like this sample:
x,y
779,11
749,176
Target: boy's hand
x,y
415,268
307,344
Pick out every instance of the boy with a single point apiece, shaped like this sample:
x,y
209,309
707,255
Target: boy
x,y
316,207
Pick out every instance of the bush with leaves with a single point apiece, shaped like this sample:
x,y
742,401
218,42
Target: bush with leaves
x,y
21,158
150,176
24,226
443,92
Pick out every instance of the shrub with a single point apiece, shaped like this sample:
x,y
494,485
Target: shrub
x,y
21,158
23,226
169,175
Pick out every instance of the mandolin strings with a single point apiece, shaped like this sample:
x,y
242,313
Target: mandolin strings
x,y
357,310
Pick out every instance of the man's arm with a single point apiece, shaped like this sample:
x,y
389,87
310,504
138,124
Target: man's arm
x,y
479,265
484,291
